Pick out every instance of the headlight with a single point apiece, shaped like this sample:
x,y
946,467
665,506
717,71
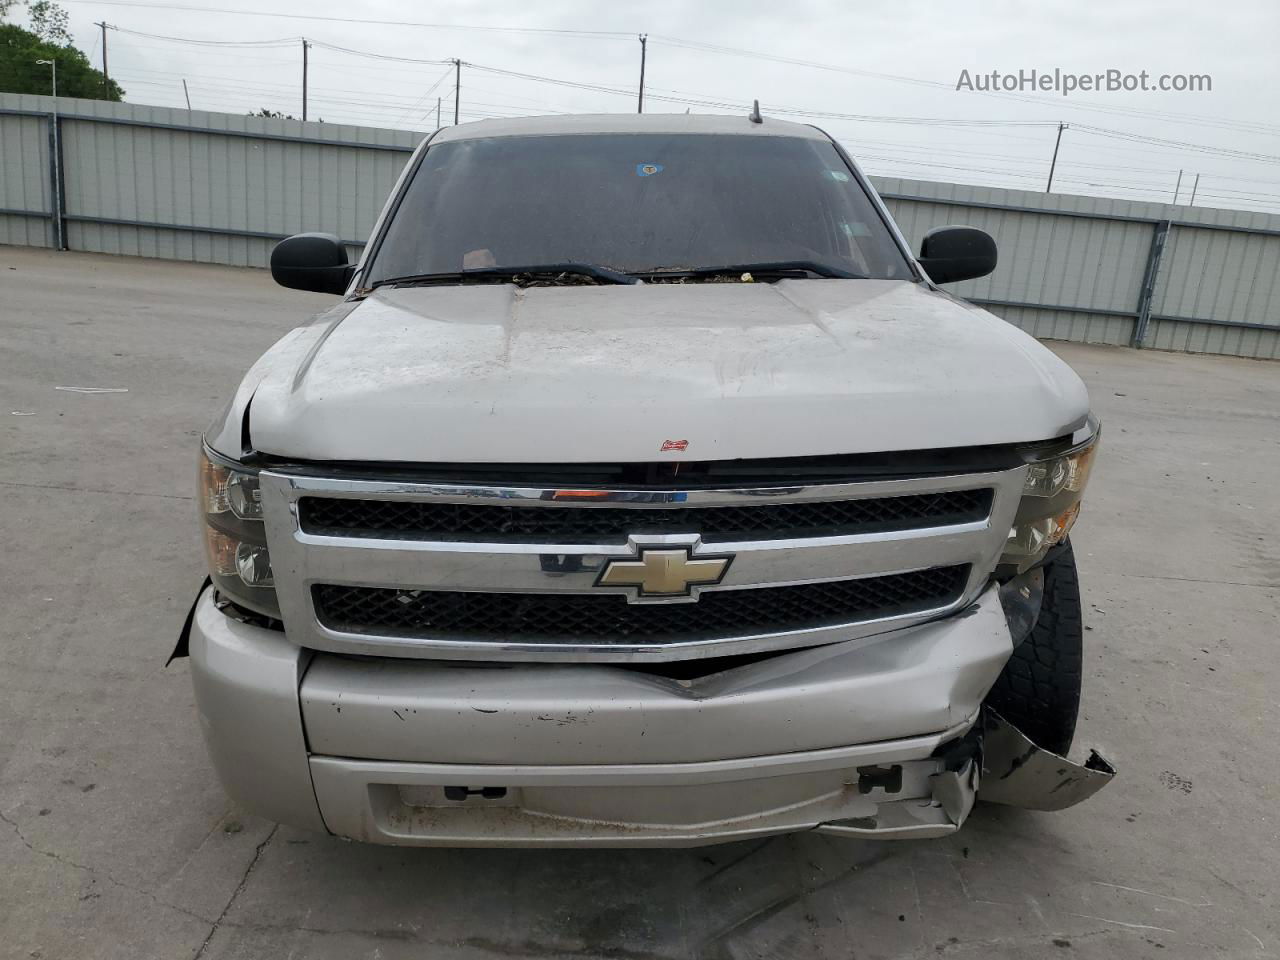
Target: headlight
x,y
1050,503
234,538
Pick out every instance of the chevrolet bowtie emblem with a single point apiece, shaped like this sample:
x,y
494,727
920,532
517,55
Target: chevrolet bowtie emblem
x,y
664,572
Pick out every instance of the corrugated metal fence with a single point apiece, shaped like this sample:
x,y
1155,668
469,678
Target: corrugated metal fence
x,y
186,185
222,188
1096,270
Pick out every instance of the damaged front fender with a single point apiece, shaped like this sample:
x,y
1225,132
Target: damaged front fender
x,y
1017,773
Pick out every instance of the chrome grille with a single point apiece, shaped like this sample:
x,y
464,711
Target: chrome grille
x,y
607,619
571,521
424,568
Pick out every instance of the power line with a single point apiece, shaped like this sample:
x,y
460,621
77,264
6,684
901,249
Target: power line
x,y
729,104
773,109
425,96
252,91
692,101
866,148
709,101
704,47
399,106
1246,125
283,41
379,56
932,150
392,105
193,8
793,61
939,121
343,68
1179,144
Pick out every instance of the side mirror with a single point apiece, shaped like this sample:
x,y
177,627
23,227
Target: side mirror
x,y
312,261
949,254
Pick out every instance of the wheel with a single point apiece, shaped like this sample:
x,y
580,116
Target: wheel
x,y
1039,689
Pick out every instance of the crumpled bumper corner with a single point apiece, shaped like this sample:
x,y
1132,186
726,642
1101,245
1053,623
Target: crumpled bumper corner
x,y
1011,770
1017,773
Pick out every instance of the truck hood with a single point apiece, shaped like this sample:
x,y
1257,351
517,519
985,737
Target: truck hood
x,y
494,373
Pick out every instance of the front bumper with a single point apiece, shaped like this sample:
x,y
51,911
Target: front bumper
x,y
843,738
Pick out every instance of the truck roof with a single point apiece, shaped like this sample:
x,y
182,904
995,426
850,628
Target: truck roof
x,y
596,123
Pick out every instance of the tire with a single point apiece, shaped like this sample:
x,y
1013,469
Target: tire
x,y
1039,689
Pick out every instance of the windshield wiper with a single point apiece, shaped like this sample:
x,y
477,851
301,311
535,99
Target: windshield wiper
x,y
499,273
772,267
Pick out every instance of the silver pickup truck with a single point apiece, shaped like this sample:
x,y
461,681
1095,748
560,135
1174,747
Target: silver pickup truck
x,y
642,488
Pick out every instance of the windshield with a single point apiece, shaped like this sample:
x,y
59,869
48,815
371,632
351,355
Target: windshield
x,y
634,203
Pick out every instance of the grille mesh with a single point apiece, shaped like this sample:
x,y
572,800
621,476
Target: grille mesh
x,y
608,618
414,520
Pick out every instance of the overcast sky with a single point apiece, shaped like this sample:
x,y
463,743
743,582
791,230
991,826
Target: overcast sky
x,y
918,48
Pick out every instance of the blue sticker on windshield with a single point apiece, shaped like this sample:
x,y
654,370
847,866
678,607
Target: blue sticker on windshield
x,y
648,169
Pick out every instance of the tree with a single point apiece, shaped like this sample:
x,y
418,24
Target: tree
x,y
19,72
277,114
50,22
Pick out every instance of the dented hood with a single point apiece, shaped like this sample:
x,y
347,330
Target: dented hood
x,y
494,373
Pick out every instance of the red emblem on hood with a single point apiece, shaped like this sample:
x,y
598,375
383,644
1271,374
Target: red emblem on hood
x,y
674,445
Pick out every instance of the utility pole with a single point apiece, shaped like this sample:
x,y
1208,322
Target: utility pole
x,y
1194,187
185,93
106,77
644,42
304,77
438,99
1054,163
1177,186
457,90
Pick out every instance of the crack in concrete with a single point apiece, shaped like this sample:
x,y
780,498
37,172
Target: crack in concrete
x,y
1123,923
719,939
244,879
74,489
730,864
97,873
1222,583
